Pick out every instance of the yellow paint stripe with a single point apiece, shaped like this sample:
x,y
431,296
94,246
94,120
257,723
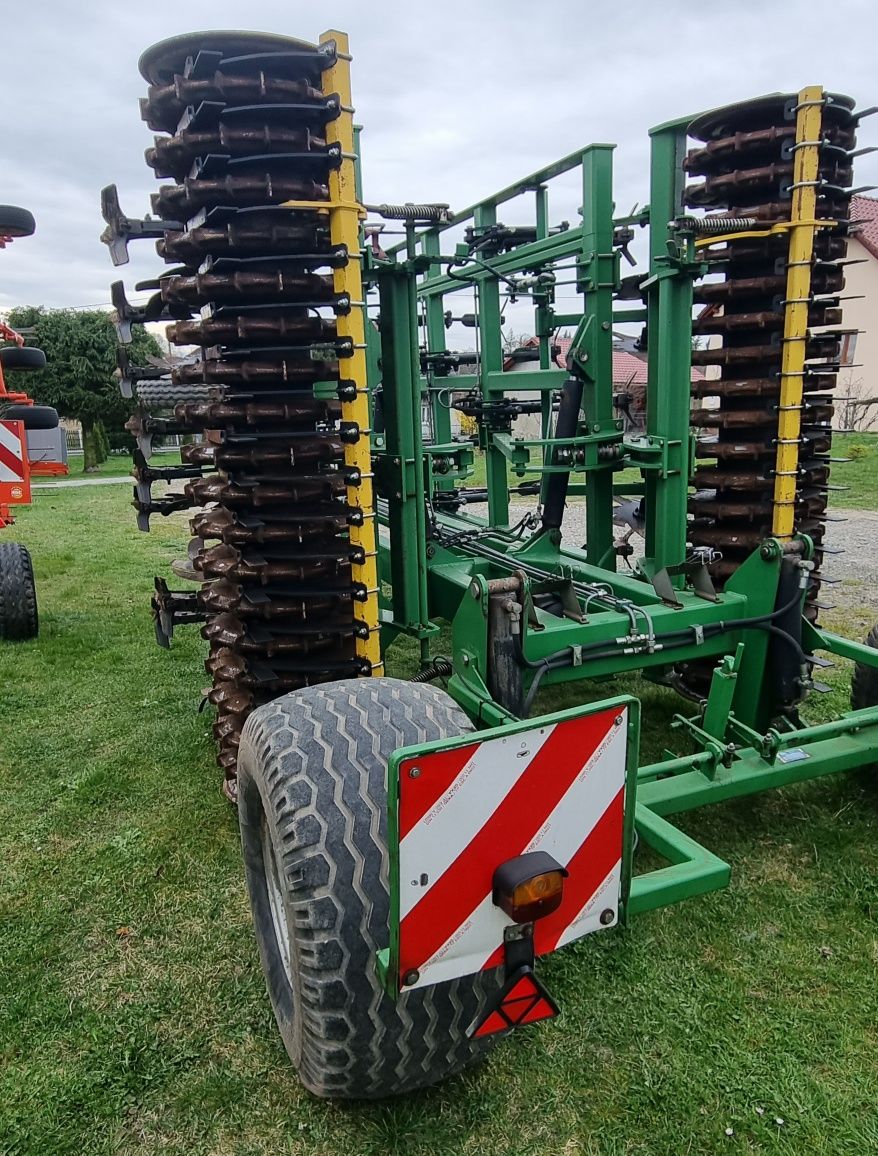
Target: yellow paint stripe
x,y
798,292
344,229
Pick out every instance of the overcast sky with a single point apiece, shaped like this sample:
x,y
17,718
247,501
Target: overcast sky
x,y
457,99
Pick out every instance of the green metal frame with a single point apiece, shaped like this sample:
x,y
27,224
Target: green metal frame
x,y
439,561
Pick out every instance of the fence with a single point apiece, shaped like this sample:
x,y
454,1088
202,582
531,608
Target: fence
x,y
74,443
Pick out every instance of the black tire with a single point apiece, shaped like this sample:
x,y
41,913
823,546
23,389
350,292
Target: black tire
x,y
163,395
18,594
22,357
15,222
312,808
33,416
864,681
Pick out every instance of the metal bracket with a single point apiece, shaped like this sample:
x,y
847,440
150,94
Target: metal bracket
x,y
695,570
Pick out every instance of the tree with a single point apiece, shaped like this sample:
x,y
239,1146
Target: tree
x,y
80,375
856,407
512,339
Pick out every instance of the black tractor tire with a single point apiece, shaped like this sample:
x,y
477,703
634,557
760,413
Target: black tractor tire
x,y
33,416
158,394
312,806
15,222
864,681
22,357
18,594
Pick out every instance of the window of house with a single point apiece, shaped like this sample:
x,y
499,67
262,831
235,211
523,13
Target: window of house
x,y
848,348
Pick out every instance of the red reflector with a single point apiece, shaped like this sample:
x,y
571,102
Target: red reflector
x,y
494,1023
523,1000
542,1010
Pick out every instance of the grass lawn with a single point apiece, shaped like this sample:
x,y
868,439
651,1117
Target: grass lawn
x,y
133,1017
118,465
859,475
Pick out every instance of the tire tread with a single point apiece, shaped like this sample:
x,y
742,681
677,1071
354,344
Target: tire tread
x,y
864,680
318,760
19,618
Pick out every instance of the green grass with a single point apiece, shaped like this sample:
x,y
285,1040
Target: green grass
x,y
860,475
133,1017
117,465
479,478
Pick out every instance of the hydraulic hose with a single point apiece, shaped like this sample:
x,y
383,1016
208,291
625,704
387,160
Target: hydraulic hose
x,y
565,427
670,640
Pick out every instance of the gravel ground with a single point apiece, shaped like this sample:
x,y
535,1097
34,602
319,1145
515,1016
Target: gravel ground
x,y
854,570
855,592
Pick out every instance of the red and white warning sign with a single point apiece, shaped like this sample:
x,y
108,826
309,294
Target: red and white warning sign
x,y
462,811
14,470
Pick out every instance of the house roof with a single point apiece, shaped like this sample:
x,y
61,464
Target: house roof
x,y
628,368
864,211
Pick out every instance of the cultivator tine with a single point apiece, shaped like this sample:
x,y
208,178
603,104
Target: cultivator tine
x,y
171,608
130,374
121,229
146,505
147,474
142,425
127,314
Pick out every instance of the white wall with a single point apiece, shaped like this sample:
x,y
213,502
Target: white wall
x,y
861,284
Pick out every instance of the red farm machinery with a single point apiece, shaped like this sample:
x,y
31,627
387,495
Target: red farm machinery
x,y
32,445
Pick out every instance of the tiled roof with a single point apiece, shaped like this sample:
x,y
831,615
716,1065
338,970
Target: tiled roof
x,y
628,368
864,210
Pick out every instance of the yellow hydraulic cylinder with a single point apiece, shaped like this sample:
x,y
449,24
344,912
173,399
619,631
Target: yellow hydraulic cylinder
x,y
344,228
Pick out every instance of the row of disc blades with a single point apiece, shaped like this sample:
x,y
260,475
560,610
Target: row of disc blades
x,y
743,168
241,124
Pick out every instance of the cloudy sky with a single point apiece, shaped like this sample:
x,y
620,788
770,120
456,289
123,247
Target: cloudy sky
x,y
457,99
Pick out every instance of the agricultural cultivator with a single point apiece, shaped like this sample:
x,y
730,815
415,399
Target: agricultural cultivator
x,y
31,444
410,852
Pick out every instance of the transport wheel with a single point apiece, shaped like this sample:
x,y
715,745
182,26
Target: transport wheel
x,y
864,682
15,222
18,594
22,357
312,807
33,416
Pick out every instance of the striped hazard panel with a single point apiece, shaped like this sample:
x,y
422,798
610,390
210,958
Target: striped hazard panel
x,y
14,471
558,787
